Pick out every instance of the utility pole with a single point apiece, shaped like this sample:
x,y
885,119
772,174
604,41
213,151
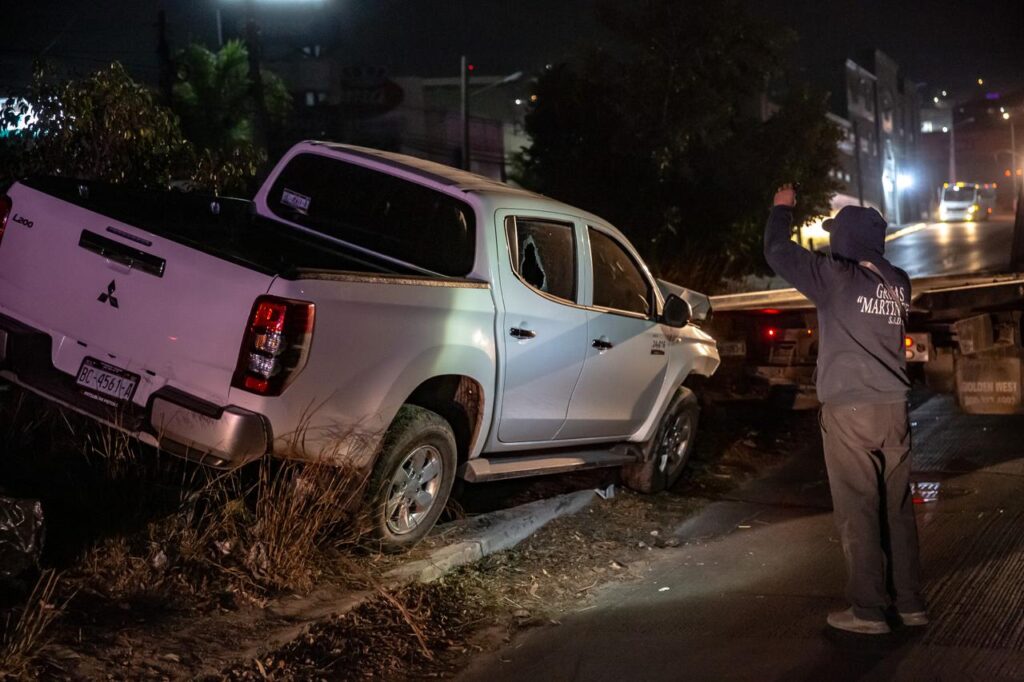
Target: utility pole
x,y
952,150
163,51
896,188
1013,156
856,156
464,83
1017,246
252,44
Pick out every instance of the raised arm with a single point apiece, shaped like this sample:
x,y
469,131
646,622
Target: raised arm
x,y
811,273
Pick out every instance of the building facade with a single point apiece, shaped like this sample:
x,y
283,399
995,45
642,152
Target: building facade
x,y
879,111
981,140
365,105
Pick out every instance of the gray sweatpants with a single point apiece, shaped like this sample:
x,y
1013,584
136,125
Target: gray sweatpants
x,y
867,454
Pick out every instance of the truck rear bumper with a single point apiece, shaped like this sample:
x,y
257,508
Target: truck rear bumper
x,y
218,436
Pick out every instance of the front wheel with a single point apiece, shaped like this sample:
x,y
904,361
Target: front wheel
x,y
412,479
669,450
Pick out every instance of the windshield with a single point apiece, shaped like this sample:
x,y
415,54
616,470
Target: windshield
x,y
959,194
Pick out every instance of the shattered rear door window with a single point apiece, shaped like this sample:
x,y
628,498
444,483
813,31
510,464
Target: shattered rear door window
x,y
543,255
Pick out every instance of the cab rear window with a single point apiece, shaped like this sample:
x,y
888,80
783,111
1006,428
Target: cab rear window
x,y
376,211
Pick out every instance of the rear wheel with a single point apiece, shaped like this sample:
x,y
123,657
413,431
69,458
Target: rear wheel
x,y
669,450
413,477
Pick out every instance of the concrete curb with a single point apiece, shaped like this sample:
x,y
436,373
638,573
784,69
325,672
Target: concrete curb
x,y
487,534
897,231
490,533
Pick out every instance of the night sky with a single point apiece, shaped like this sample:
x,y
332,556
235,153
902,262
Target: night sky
x,y
943,43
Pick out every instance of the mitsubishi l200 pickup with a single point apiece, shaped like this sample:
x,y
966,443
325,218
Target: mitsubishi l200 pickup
x,y
366,309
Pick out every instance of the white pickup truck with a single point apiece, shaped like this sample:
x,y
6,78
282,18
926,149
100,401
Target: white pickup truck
x,y
415,321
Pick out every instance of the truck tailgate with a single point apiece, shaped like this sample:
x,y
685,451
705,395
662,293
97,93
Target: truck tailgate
x,y
107,290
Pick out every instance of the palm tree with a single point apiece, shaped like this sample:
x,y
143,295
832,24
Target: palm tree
x,y
213,97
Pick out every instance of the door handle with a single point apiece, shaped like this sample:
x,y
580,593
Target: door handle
x,y
602,344
521,334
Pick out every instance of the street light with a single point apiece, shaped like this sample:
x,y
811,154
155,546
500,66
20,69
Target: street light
x,y
254,47
248,5
1013,150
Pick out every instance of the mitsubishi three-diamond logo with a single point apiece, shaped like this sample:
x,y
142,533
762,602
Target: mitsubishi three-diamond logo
x,y
108,295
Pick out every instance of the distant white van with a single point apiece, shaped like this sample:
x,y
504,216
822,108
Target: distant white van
x,y
960,201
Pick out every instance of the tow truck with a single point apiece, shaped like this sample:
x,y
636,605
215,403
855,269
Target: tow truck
x,y
963,336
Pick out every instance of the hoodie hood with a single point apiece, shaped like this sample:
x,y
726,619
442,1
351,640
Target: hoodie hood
x,y
857,233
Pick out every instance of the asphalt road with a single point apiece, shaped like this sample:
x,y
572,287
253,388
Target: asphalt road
x,y
746,597
954,248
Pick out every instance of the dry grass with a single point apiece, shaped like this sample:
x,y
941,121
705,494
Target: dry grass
x,y
403,635
134,528
301,512
115,448
25,629
25,420
249,537
164,527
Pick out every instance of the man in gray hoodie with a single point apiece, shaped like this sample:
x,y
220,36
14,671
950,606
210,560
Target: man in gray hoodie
x,y
862,383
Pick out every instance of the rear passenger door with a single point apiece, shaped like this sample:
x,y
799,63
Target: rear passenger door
x,y
626,349
543,327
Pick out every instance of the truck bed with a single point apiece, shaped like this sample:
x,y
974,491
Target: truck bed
x,y
224,227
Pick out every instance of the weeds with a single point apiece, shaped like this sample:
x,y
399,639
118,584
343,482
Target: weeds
x,y
129,525
26,421
299,509
25,629
116,448
250,537
408,634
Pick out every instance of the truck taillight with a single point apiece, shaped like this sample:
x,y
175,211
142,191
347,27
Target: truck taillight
x,y
5,211
917,346
276,345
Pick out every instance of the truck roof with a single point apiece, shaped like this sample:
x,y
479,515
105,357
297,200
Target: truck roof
x,y
452,177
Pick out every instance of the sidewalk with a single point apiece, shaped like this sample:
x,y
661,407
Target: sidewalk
x,y
746,597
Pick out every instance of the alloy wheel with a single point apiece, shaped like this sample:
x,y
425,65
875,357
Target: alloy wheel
x,y
413,490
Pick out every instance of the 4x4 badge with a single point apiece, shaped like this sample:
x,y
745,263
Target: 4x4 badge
x,y
108,295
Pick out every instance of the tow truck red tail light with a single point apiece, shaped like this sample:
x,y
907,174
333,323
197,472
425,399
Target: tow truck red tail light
x,y
5,211
275,346
916,346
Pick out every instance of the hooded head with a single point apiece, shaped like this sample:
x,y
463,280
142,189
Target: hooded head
x,y
857,233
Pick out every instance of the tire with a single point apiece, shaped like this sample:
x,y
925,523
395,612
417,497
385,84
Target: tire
x,y
666,454
412,478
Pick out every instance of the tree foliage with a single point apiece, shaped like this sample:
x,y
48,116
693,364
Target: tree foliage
x,y
665,136
213,96
108,127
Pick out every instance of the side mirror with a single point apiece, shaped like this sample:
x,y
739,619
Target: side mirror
x,y
676,312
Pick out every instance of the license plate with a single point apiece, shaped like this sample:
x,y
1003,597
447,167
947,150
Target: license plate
x,y
732,348
107,381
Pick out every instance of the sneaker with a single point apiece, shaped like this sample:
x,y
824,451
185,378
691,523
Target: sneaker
x,y
914,618
846,620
